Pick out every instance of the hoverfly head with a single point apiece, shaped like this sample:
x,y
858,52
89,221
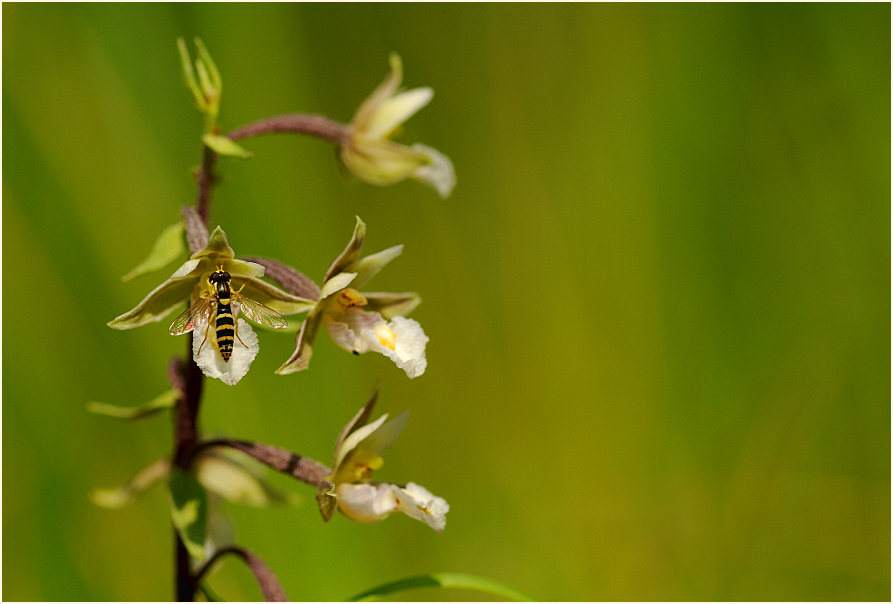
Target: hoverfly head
x,y
219,276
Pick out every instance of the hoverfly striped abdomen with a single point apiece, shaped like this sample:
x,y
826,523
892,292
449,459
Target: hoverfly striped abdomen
x,y
225,327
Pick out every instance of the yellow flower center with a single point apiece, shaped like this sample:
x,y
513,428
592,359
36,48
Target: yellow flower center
x,y
386,336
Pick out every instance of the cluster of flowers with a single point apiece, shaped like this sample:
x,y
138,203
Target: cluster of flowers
x,y
356,321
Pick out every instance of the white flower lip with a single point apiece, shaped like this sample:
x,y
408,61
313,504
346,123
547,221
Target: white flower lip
x,y
212,364
418,502
406,347
365,502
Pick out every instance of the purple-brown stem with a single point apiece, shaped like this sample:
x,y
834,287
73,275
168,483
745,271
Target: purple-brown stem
x,y
303,468
205,180
190,385
269,585
295,123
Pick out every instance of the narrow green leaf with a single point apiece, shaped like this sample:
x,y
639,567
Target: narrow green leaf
x,y
163,401
224,146
118,497
189,511
169,246
447,581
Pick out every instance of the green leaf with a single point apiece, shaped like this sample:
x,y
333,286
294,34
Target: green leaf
x,y
447,581
163,401
224,146
118,497
189,511
169,246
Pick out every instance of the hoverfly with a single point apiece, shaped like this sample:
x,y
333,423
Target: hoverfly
x,y
219,302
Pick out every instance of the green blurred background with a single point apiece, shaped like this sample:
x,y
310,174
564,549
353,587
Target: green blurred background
x,y
658,299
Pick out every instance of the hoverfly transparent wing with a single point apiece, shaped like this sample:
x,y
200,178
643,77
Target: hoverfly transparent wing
x,y
199,312
260,314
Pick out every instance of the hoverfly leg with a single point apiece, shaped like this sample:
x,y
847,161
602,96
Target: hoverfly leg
x,y
205,339
236,326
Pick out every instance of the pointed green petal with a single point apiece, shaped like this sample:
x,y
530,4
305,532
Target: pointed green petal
x,y
385,436
336,284
218,249
224,146
300,358
396,110
163,401
366,112
350,253
126,494
269,295
158,304
189,511
368,267
358,420
391,305
167,248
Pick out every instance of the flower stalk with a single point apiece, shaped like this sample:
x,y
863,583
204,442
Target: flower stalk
x,y
211,282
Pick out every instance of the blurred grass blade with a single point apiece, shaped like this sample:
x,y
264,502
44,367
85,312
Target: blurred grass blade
x,y
189,511
447,581
169,246
163,401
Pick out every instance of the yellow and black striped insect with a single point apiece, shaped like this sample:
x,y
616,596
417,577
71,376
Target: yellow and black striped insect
x,y
219,303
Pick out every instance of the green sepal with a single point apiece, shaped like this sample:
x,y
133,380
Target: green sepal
x,y
118,497
368,267
300,358
189,511
390,305
336,284
222,145
218,247
350,253
446,581
160,302
281,301
163,401
168,247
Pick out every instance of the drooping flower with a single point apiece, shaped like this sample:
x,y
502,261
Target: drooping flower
x,y
357,455
373,157
362,322
191,282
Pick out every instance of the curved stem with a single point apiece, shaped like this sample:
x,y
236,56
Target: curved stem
x,y
269,584
303,468
295,123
